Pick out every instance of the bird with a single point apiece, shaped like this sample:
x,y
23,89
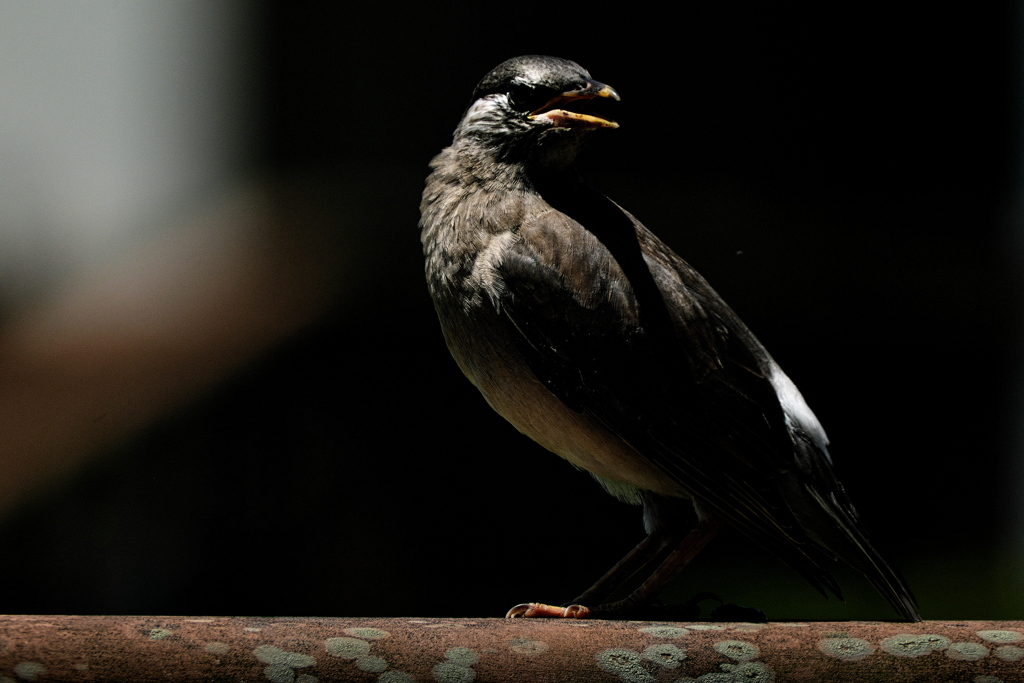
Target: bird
x,y
595,339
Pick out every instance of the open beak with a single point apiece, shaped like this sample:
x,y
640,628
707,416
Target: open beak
x,y
568,110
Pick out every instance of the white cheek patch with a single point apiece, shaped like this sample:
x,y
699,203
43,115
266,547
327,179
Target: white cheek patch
x,y
480,117
798,414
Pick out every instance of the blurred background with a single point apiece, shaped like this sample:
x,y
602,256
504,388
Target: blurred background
x,y
223,389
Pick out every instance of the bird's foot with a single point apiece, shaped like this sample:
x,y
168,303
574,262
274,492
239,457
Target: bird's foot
x,y
627,609
538,610
623,609
725,611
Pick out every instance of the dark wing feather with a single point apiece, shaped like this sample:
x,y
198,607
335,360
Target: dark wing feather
x,y
645,347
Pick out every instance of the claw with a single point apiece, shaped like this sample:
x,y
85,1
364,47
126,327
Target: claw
x,y
577,612
535,610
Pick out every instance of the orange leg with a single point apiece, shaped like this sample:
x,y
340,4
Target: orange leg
x,y
645,551
685,550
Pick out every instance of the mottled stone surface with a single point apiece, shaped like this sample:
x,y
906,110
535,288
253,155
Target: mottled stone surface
x,y
312,650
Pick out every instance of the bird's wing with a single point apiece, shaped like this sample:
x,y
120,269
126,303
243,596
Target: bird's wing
x,y
746,381
624,331
645,348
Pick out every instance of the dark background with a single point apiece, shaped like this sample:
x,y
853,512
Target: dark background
x,y
844,176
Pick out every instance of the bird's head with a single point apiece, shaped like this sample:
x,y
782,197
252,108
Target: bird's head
x,y
536,109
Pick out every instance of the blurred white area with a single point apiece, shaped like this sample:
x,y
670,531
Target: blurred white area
x,y
117,116
139,265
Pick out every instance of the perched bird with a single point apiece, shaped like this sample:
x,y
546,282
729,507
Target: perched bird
x,y
593,338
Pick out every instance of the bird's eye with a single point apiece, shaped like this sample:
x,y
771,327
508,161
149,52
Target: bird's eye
x,y
527,98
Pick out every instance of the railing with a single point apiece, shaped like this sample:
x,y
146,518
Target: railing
x,y
318,650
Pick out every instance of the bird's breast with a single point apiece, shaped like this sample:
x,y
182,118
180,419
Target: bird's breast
x,y
468,235
480,344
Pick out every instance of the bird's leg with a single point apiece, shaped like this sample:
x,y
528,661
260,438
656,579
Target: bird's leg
x,y
645,551
686,549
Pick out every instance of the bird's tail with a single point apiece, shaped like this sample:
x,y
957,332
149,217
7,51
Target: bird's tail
x,y
853,547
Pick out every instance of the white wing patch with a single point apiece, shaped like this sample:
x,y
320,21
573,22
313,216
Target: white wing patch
x,y
798,414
